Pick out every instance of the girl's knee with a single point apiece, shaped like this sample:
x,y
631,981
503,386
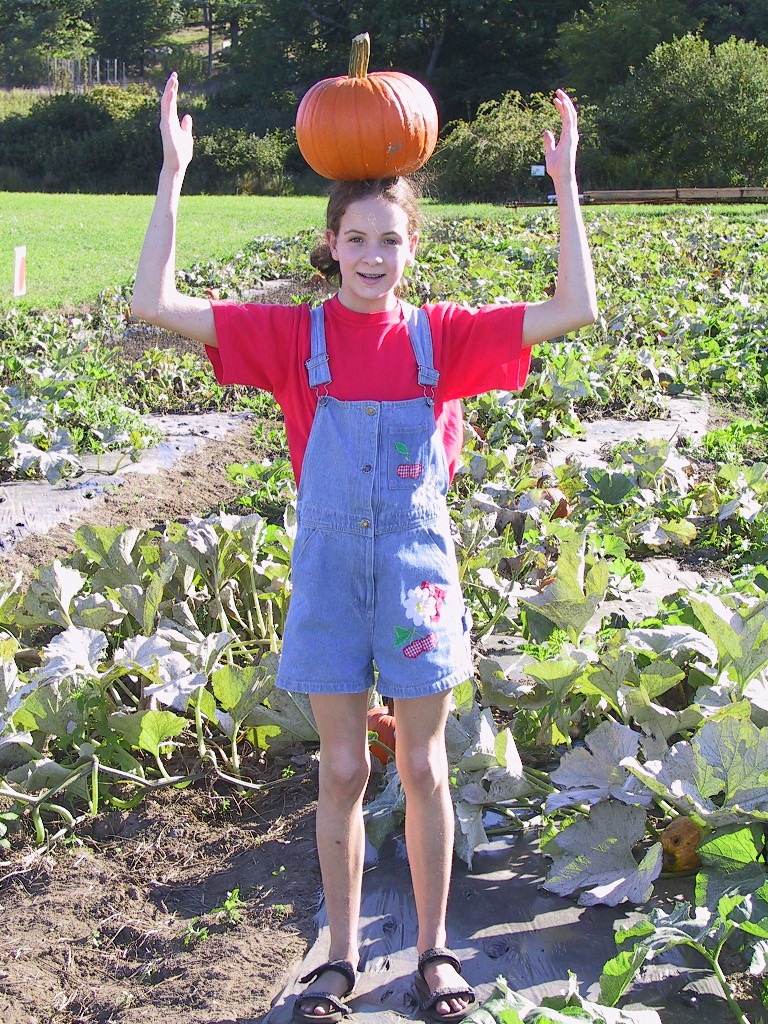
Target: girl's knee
x,y
344,773
422,771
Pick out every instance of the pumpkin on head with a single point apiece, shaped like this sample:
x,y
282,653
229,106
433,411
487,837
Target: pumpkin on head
x,y
358,126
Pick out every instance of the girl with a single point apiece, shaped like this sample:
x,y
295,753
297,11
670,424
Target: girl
x,y
370,391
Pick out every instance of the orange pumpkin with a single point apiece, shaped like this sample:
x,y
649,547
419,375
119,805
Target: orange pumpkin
x,y
359,126
382,723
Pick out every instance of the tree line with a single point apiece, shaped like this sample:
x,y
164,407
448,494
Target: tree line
x,y
669,90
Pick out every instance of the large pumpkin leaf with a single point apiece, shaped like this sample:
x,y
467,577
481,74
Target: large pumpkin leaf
x,y
572,599
148,730
740,633
720,778
291,712
594,772
75,654
595,855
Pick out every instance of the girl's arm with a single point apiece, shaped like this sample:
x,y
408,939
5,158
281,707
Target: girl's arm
x,y
574,303
155,296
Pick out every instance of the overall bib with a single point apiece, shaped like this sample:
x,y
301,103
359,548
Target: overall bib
x,y
375,580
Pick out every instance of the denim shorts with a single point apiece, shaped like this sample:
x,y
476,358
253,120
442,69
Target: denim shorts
x,y
384,609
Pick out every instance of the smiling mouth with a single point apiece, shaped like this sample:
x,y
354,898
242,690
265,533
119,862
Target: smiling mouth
x,y
370,277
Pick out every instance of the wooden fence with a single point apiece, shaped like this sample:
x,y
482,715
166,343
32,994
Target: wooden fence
x,y
675,195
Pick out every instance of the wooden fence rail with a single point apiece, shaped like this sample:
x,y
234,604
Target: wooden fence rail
x,y
675,195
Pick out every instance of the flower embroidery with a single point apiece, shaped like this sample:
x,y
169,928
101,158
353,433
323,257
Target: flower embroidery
x,y
422,604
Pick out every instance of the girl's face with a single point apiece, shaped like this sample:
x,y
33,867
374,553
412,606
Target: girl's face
x,y
373,247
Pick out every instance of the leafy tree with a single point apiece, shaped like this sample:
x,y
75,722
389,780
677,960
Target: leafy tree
x,y
719,20
33,31
466,51
692,115
599,45
126,29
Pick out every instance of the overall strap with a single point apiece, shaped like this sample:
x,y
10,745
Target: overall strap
x,y
318,371
420,334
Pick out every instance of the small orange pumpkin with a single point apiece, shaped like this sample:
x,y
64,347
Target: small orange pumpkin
x,y
358,126
382,723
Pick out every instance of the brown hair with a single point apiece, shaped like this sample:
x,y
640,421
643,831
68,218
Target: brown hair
x,y
402,192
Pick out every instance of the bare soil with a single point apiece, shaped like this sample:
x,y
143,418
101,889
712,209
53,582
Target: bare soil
x,y
122,924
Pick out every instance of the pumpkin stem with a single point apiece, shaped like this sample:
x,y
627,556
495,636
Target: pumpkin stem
x,y
359,56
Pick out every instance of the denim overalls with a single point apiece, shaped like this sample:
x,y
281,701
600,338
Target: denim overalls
x,y
374,571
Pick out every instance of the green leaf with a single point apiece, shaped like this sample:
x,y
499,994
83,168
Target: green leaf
x,y
207,703
594,772
560,674
596,855
619,973
732,850
112,549
740,634
712,884
571,601
386,811
155,590
241,690
50,596
463,695
148,730
611,487
402,636
401,448
292,712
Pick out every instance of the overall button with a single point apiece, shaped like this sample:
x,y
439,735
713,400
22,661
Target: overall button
x,y
365,523
367,468
371,410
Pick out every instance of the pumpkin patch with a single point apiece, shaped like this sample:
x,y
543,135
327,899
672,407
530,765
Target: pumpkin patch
x,y
362,126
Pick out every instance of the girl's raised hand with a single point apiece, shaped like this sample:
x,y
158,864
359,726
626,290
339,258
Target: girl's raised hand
x,y
560,157
177,136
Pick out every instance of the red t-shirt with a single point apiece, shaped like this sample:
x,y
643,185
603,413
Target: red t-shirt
x,y
370,358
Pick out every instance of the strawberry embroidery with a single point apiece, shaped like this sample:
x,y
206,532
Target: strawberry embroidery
x,y
413,642
421,645
407,470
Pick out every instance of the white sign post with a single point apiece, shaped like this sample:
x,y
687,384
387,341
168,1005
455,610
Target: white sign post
x,y
20,271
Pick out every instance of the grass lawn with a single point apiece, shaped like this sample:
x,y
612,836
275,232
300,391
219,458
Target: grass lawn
x,y
78,245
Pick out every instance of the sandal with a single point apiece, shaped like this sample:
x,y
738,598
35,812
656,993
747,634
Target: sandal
x,y
430,999
338,1009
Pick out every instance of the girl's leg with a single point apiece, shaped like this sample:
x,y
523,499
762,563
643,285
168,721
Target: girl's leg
x,y
344,769
422,763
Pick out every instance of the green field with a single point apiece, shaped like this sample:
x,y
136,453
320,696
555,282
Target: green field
x,y
78,245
